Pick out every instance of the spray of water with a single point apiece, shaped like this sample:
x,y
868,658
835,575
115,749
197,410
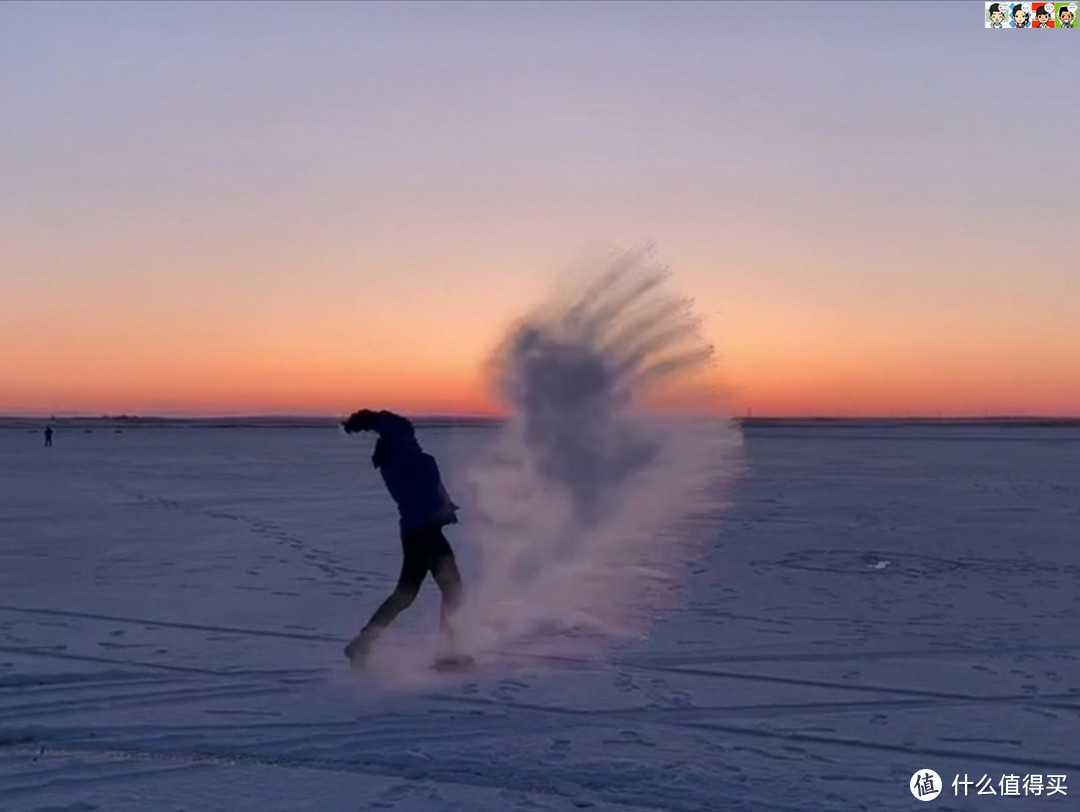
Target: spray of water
x,y
582,506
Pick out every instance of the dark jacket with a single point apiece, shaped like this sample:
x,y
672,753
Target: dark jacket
x,y
411,476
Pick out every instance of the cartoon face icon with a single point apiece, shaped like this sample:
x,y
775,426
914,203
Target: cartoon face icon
x,y
1042,16
1019,16
1066,16
997,15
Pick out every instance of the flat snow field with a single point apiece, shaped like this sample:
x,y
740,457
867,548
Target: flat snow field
x,y
877,600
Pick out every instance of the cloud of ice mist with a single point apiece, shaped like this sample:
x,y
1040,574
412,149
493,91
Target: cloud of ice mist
x,y
580,508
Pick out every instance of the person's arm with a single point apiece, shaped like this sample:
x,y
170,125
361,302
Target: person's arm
x,y
367,420
363,420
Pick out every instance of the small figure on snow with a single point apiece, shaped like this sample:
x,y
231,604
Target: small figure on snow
x,y
48,436
413,480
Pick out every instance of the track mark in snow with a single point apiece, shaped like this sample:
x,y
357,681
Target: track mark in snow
x,y
672,715
151,699
403,769
294,675
42,683
840,686
170,624
318,558
78,781
922,752
853,656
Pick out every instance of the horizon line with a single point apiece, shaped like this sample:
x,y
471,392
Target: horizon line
x,y
436,416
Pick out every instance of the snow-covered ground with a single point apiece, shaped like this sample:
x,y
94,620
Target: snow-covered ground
x,y
877,601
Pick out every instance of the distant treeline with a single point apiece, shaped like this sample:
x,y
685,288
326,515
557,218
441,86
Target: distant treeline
x,y
897,422
265,422
284,422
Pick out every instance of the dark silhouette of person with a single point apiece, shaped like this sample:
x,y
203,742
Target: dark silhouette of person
x,y
412,478
48,436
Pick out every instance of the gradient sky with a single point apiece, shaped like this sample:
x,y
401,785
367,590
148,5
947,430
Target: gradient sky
x,y
307,208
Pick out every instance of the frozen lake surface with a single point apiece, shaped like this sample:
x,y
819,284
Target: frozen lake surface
x,y
878,600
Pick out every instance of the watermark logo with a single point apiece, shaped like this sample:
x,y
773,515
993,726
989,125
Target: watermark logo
x,y
925,785
1012,784
1038,14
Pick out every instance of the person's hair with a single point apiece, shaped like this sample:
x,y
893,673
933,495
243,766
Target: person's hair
x,y
995,8
1043,10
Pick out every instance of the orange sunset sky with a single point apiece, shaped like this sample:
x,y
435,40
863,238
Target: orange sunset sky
x,y
308,208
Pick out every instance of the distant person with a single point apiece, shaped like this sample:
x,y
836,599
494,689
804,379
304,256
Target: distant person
x,y
412,477
1019,16
997,15
48,436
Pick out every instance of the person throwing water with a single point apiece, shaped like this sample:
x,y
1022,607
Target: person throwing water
x,y
412,478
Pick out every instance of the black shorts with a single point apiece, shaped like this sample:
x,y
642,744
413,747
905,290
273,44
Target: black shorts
x,y
422,549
